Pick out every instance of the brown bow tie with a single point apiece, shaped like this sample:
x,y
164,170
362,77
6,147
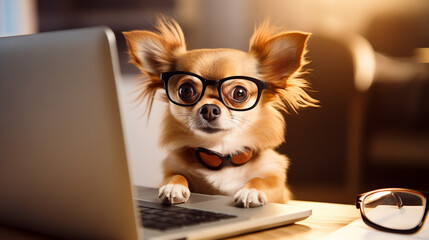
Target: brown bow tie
x,y
215,161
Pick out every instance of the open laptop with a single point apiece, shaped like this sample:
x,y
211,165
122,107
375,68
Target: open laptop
x,y
63,164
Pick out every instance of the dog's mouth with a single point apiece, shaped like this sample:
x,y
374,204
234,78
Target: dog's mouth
x,y
210,130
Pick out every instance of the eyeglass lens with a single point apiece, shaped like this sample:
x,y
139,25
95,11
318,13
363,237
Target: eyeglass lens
x,y
184,89
394,209
235,93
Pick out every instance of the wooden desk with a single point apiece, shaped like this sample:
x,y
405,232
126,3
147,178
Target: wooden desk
x,y
326,218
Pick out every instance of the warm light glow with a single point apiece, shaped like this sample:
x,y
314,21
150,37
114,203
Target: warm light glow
x,y
422,55
364,57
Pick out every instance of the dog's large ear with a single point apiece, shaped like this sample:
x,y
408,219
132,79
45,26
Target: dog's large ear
x,y
154,52
281,57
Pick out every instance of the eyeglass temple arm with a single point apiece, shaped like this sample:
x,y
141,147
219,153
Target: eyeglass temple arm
x,y
398,199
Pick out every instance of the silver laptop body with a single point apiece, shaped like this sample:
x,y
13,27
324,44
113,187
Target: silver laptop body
x,y
63,165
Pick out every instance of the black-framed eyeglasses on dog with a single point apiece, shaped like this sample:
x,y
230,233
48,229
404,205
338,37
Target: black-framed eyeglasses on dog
x,y
240,93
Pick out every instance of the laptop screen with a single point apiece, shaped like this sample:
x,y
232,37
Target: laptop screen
x,y
63,166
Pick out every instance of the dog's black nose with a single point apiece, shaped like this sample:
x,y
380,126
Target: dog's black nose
x,y
209,112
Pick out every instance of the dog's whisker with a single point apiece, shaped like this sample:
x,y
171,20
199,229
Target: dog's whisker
x,y
191,124
239,121
233,123
184,114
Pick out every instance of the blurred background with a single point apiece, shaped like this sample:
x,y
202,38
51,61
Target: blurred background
x,y
369,68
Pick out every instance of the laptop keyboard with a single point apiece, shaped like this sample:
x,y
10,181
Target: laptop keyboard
x,y
162,217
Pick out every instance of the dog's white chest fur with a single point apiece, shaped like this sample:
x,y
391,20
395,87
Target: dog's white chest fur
x,y
227,180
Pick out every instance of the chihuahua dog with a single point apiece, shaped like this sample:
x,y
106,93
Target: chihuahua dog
x,y
224,111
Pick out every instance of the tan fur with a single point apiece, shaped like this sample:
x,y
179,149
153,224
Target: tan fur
x,y
175,179
276,58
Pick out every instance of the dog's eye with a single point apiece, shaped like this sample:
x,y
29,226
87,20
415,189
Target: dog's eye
x,y
239,94
186,92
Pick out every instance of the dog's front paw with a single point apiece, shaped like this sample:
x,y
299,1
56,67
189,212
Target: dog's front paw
x,y
174,193
250,197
